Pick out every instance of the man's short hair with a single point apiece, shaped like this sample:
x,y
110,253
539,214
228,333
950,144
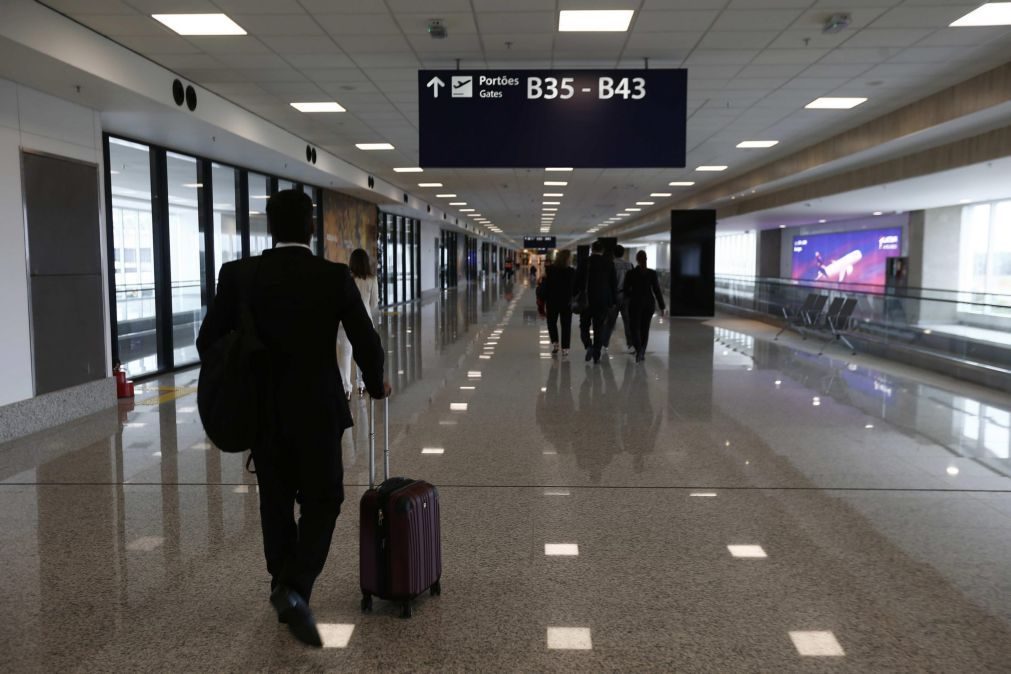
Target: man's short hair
x,y
619,251
289,216
597,247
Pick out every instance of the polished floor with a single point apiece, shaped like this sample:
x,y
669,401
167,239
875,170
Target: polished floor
x,y
731,504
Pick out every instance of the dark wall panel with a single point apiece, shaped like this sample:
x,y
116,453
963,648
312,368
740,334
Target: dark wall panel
x,y
769,252
692,264
68,320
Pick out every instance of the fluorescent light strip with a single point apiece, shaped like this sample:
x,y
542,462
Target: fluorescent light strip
x,y
200,24
320,106
446,196
458,203
561,549
745,144
556,183
830,103
681,183
557,168
712,168
553,194
551,203
433,450
594,20
660,194
645,203
429,184
374,146
409,169
990,14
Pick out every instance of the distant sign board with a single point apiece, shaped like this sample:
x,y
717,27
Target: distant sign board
x,y
539,242
552,118
855,256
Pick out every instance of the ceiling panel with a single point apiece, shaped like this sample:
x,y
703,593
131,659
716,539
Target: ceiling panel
x,y
753,65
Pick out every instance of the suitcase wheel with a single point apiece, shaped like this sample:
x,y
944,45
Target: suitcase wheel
x,y
366,603
406,611
436,589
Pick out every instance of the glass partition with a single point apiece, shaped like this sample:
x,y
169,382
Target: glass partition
x,y
259,191
227,235
133,253
186,243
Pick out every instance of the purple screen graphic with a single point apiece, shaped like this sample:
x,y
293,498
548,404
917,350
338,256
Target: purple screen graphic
x,y
856,256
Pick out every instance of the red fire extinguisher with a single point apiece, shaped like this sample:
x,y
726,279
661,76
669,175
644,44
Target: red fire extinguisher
x,y
124,386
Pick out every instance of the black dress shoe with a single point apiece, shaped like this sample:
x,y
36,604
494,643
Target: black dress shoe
x,y
589,355
294,612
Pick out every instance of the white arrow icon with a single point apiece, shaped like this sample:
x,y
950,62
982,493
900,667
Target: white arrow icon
x,y
435,83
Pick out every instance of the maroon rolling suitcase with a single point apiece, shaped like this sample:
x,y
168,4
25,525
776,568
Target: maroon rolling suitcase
x,y
400,549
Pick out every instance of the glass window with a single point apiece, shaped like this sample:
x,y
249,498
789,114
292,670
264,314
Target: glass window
x,y
314,195
285,185
227,238
391,259
259,236
985,257
186,255
133,242
735,254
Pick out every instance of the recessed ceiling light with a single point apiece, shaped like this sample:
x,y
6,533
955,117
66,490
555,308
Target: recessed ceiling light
x,y
408,169
546,208
782,226
829,103
374,146
711,168
466,210
320,106
659,194
429,184
552,203
200,24
990,14
681,183
446,196
555,183
645,203
633,210
822,221
877,212
757,143
553,194
594,20
457,203
557,168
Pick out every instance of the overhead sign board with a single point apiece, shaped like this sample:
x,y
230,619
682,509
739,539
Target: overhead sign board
x,y
539,242
552,118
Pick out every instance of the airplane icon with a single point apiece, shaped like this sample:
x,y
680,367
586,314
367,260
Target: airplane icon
x,y
463,86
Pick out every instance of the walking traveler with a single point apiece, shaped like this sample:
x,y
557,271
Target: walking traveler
x,y
596,277
294,301
641,286
558,284
621,267
368,288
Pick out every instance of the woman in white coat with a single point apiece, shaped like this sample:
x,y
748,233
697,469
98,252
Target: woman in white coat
x,y
368,287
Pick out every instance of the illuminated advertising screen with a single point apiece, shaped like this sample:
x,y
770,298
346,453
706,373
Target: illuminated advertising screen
x,y
856,256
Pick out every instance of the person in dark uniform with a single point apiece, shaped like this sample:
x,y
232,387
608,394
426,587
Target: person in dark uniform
x,y
557,290
596,276
641,286
297,302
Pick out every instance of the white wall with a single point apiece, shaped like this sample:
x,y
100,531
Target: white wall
x,y
429,233
36,121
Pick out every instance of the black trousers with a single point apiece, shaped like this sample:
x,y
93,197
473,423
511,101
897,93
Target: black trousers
x,y
295,551
640,316
564,314
595,317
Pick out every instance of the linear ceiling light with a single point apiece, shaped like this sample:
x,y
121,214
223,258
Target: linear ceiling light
x,y
409,169
712,168
553,194
200,24
552,203
467,210
633,210
429,184
445,196
320,106
594,20
374,146
746,144
659,194
829,103
555,183
990,14
681,183
644,203
457,203
557,168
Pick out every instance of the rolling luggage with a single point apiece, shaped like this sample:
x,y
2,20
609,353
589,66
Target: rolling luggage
x,y
400,551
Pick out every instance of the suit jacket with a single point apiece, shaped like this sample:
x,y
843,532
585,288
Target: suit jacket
x,y
601,285
297,304
641,286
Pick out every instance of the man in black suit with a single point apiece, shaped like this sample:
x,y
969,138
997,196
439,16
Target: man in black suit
x,y
597,277
297,301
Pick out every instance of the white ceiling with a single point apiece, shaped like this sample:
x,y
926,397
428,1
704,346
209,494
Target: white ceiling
x,y
752,66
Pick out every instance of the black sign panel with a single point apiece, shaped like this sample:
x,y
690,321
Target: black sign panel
x,y
546,118
539,242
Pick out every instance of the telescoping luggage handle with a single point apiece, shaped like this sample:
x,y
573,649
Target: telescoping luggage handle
x,y
372,441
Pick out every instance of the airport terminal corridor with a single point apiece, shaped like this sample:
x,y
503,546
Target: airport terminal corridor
x,y
730,504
